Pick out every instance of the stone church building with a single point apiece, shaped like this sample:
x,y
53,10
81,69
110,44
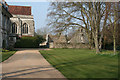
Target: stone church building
x,y
15,21
5,25
22,22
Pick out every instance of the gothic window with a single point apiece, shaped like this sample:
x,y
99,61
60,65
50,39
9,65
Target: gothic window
x,y
14,28
25,28
82,38
3,20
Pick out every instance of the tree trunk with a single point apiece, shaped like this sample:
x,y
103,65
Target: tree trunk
x,y
114,45
100,42
114,38
114,32
96,40
89,39
96,46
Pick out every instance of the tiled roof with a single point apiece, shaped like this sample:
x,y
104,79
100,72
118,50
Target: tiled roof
x,y
20,10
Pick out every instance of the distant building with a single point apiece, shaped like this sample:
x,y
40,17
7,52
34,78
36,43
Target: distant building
x,y
79,37
78,40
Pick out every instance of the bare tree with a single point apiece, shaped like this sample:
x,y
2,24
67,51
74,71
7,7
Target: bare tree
x,y
43,30
114,22
91,16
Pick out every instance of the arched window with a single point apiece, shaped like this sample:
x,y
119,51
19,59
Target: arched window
x,y
14,28
25,28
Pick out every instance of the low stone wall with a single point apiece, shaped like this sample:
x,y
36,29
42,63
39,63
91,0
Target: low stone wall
x,y
70,45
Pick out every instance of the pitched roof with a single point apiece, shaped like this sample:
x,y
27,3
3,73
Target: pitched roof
x,y
19,10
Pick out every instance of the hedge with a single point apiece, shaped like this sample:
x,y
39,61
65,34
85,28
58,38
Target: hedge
x,y
29,42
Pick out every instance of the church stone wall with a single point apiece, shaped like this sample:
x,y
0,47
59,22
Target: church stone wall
x,y
30,26
0,26
5,24
28,19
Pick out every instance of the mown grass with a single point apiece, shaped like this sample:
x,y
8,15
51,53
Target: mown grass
x,y
5,55
83,63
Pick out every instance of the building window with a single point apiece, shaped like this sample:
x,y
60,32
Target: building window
x,y
25,28
3,21
81,30
14,28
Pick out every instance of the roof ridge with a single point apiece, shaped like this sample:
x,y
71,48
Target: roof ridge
x,y
19,6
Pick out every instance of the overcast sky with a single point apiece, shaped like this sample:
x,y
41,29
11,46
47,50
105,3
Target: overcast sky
x,y
39,11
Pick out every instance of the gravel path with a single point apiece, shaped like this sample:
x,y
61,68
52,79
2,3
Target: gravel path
x,y
28,64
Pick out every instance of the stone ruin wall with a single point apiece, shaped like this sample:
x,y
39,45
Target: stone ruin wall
x,y
79,40
70,45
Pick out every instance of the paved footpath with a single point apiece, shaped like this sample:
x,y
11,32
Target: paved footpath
x,y
28,64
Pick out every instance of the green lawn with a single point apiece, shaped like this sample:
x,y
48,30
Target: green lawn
x,y
83,63
5,55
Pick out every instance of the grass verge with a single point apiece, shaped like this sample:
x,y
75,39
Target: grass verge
x,y
5,55
82,63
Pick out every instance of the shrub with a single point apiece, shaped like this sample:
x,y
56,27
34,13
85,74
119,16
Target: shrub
x,y
118,47
4,50
110,46
29,42
4,44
